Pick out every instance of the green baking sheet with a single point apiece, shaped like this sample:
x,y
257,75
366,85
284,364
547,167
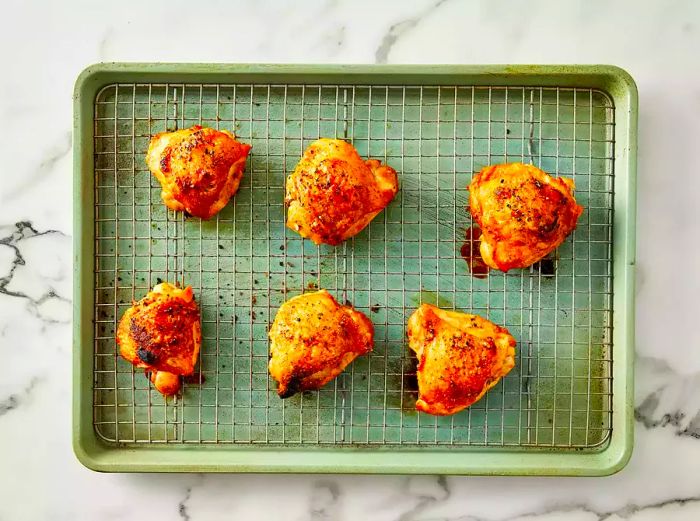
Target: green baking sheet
x,y
564,409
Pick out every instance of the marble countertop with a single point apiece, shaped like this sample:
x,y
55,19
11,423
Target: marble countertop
x,y
44,47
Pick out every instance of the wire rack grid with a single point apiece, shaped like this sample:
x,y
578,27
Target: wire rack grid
x,y
244,263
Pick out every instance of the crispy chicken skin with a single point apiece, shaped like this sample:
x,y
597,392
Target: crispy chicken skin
x,y
312,339
333,193
162,333
198,168
460,357
523,213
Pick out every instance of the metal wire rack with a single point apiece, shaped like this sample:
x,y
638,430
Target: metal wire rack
x,y
244,263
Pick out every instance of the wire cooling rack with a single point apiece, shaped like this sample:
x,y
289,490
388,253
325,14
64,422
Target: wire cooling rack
x,y
244,263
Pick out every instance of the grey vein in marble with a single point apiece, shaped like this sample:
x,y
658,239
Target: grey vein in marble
x,y
182,505
15,400
626,512
669,399
58,151
23,231
400,29
323,504
425,498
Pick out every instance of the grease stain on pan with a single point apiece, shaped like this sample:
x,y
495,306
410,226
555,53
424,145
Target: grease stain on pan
x,y
425,296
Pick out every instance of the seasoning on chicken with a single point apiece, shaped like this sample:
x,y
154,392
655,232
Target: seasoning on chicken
x,y
460,357
523,213
333,194
162,334
312,339
198,168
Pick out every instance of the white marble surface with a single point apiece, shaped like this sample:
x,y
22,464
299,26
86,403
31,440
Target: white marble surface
x,y
44,47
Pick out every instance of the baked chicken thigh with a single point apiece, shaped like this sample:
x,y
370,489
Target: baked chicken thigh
x,y
523,213
312,339
162,334
460,357
333,193
198,168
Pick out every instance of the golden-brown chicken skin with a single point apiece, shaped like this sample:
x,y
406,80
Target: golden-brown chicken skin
x,y
460,357
523,213
198,168
333,193
162,334
312,339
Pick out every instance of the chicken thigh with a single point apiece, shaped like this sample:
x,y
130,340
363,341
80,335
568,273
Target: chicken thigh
x,y
312,339
162,334
460,357
523,213
198,168
333,193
